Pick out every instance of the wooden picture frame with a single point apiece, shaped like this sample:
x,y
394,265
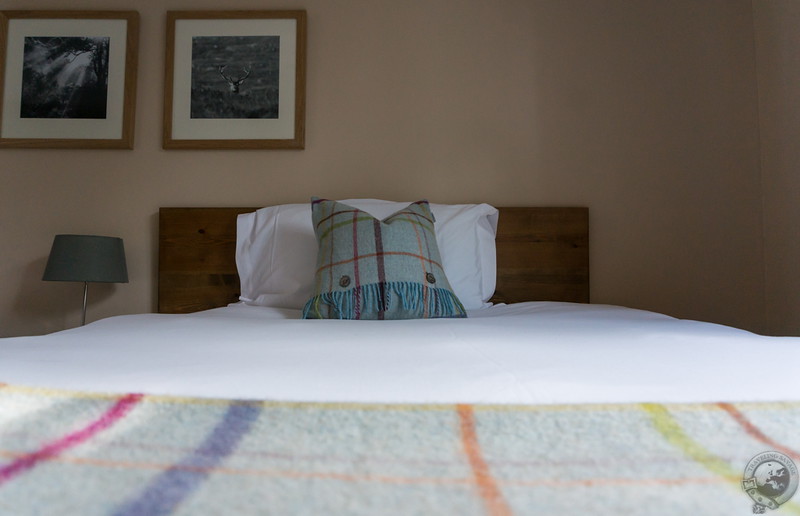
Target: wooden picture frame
x,y
68,79
235,80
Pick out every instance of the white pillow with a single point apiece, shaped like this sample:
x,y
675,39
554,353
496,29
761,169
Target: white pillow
x,y
276,251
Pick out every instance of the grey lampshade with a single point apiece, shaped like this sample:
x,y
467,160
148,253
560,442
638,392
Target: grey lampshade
x,y
86,258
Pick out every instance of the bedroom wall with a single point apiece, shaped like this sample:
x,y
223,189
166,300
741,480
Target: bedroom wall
x,y
646,112
777,24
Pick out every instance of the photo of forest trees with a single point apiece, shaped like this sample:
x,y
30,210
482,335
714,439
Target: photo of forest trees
x,y
65,77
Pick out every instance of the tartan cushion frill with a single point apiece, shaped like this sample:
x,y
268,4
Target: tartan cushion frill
x,y
373,269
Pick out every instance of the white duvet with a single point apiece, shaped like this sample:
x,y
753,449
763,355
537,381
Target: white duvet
x,y
522,353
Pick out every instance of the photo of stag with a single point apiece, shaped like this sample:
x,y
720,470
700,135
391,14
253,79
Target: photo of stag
x,y
235,77
65,77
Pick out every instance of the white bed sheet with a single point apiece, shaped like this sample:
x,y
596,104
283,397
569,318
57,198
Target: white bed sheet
x,y
540,353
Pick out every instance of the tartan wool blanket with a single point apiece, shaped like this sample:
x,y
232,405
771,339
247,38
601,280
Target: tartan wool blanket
x,y
72,453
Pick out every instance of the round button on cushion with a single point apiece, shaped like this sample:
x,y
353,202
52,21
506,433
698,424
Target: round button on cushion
x,y
344,281
430,277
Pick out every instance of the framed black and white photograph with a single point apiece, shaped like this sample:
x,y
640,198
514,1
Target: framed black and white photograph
x,y
68,78
235,80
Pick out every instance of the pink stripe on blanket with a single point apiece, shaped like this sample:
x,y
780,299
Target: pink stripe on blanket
x,y
111,416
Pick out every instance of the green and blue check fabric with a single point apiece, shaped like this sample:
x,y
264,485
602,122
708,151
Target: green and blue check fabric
x,y
378,269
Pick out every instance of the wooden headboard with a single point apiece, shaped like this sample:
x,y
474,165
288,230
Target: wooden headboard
x,y
542,255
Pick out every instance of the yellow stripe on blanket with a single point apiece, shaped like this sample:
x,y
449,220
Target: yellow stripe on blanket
x,y
674,434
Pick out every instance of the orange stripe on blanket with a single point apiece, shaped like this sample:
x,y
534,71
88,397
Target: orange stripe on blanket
x,y
487,487
755,432
251,472
382,479
620,482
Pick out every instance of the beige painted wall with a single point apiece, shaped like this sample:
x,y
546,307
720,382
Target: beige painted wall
x,y
777,24
644,111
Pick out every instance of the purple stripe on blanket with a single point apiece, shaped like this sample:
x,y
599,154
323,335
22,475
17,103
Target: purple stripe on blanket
x,y
169,489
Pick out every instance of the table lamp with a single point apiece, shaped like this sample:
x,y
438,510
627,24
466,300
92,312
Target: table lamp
x,y
86,258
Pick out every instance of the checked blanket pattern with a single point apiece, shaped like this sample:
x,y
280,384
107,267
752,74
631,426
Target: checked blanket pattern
x,y
71,453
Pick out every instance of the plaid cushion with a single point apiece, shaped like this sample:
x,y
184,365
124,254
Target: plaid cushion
x,y
372,269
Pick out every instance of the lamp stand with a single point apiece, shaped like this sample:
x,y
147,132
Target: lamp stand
x,y
85,292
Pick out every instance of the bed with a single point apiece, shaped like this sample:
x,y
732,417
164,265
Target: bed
x,y
539,403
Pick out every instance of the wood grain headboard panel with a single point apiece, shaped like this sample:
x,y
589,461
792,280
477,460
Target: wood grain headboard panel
x,y
542,255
